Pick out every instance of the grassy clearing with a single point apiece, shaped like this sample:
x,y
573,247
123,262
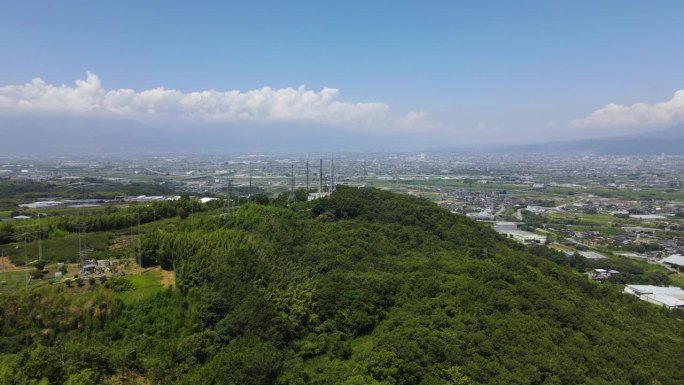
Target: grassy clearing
x,y
10,280
648,267
559,247
626,194
677,279
73,211
561,216
144,285
605,220
601,219
6,363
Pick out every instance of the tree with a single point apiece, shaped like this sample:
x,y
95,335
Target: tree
x,y
259,198
184,213
44,362
454,376
84,377
40,264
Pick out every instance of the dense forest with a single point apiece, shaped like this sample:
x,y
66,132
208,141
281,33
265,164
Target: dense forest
x,y
362,287
111,219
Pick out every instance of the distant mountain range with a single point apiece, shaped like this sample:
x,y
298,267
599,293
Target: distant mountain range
x,y
79,136
668,141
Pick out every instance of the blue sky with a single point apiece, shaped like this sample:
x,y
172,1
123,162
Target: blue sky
x,y
473,71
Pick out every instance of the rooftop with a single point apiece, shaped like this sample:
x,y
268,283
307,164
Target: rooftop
x,y
670,296
674,259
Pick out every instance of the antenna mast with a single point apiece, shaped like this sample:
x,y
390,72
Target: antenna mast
x,y
332,173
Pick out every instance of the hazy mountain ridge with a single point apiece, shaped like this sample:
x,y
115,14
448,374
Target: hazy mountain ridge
x,y
668,141
62,136
40,136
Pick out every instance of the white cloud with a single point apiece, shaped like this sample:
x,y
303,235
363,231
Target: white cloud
x,y
637,115
88,98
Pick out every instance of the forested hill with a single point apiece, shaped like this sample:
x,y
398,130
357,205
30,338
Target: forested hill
x,y
363,287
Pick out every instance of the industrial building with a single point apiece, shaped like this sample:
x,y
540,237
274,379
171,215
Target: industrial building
x,y
525,237
671,297
675,261
510,230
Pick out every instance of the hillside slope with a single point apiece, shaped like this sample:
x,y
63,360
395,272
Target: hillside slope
x,y
364,287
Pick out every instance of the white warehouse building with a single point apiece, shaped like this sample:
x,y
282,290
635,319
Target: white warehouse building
x,y
525,237
671,297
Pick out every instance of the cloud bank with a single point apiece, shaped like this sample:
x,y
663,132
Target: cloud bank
x,y
639,115
265,105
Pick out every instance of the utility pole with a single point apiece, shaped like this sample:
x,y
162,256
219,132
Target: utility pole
x,y
40,239
332,173
307,175
230,195
250,181
80,244
130,245
292,181
26,260
139,241
321,177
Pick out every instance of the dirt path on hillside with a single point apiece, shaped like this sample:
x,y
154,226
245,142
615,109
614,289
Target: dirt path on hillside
x,y
7,265
168,278
124,242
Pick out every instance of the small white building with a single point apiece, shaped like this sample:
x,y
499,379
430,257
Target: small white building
x,y
510,230
671,297
674,260
103,263
602,274
88,269
647,216
486,214
536,209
